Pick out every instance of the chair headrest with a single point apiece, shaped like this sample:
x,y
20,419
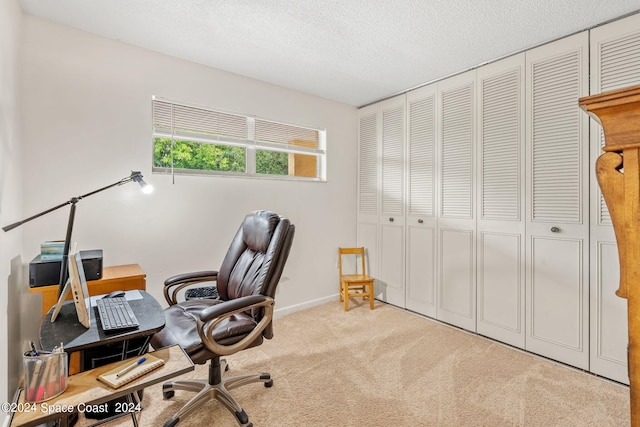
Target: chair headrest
x,y
258,228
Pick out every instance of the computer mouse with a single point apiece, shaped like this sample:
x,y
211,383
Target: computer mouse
x,y
114,294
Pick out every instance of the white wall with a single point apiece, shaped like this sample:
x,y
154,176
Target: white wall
x,y
86,108
10,200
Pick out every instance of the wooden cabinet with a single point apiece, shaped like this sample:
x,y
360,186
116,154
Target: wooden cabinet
x,y
115,278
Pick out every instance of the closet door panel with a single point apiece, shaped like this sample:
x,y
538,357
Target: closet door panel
x,y
391,264
457,298
390,287
556,295
367,235
609,336
421,268
615,64
421,220
456,222
500,189
368,182
368,194
557,226
501,286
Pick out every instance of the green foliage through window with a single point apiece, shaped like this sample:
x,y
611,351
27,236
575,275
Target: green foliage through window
x,y
216,157
198,156
272,162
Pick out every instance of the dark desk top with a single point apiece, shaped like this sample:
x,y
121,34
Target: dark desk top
x,y
75,337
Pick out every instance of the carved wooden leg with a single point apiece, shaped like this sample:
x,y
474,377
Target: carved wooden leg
x,y
632,274
621,191
611,182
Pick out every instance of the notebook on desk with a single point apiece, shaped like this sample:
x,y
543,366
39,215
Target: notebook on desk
x,y
114,380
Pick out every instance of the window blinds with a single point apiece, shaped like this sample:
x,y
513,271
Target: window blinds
x,y
179,121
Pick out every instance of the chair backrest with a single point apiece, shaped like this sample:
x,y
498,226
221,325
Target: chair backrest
x,y
255,260
352,251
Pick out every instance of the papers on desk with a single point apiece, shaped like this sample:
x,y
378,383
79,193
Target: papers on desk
x,y
129,295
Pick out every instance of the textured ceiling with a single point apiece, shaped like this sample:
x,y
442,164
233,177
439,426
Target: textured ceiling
x,y
353,51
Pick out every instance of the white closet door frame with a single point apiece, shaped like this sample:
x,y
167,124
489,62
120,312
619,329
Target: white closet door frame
x,y
501,201
557,226
456,201
421,197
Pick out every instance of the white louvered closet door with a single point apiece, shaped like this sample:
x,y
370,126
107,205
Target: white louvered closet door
x,y
500,189
557,227
456,222
368,186
615,64
421,220
390,287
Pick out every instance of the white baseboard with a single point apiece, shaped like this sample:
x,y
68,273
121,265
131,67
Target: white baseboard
x,y
281,312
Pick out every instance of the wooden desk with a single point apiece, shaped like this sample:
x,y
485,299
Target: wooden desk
x,y
76,338
116,278
84,390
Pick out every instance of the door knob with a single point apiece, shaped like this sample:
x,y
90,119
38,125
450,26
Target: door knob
x,y
391,219
420,221
555,229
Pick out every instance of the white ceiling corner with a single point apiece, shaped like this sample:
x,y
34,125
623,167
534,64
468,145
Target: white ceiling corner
x,y
351,51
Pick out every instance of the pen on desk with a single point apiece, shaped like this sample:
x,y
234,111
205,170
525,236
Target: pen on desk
x,y
130,367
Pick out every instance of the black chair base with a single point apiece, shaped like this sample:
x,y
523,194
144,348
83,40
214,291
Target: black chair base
x,y
216,387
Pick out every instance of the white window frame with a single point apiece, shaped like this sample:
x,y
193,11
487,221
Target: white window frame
x,y
249,143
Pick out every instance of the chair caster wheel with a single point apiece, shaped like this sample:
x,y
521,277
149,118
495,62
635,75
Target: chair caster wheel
x,y
167,394
268,383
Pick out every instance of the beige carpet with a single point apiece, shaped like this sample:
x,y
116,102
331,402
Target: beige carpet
x,y
388,367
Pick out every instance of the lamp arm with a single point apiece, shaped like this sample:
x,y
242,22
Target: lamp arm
x,y
115,184
73,200
19,223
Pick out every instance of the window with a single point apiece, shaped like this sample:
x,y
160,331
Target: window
x,y
190,139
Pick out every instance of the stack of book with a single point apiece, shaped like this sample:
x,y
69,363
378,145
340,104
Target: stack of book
x,y
51,250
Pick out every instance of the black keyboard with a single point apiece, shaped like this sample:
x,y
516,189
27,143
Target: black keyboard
x,y
116,314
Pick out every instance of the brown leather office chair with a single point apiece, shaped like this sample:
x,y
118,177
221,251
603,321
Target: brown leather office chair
x,y
241,318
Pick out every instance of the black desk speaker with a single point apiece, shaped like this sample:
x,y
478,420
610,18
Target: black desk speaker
x,y
47,272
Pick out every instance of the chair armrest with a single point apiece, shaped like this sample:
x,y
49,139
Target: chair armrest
x,y
176,283
212,316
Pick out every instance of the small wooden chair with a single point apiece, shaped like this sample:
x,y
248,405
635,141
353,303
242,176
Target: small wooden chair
x,y
355,285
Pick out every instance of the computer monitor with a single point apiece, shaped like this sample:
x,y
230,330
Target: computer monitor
x,y
77,285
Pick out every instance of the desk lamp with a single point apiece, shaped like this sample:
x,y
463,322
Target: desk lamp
x,y
135,176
